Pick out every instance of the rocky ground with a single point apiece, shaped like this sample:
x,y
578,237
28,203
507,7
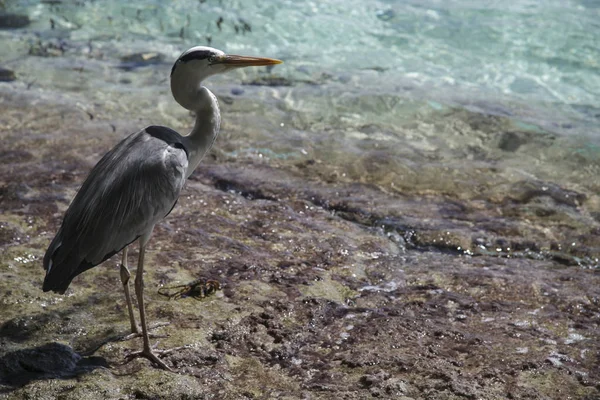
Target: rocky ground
x,y
332,287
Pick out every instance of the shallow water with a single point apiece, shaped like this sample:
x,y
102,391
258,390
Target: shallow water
x,y
391,73
533,60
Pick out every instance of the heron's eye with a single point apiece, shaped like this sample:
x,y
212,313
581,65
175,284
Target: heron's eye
x,y
212,59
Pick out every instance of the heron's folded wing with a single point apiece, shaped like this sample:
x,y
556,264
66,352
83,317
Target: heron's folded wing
x,y
131,188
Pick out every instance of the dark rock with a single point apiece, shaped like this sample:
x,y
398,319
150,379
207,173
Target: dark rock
x,y
386,15
13,21
526,191
14,156
51,48
269,80
375,379
7,75
511,141
138,60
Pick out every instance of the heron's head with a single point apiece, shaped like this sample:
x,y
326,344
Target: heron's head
x,y
200,62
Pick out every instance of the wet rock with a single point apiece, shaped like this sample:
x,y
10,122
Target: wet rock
x,y
194,360
386,15
10,234
14,156
376,69
588,109
23,328
269,80
526,191
442,240
49,48
13,21
226,99
511,141
243,189
7,75
375,379
138,60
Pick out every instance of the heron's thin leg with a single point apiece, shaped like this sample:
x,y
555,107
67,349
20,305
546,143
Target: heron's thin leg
x,y
139,291
125,275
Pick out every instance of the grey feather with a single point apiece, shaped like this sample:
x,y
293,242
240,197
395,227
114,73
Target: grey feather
x,y
132,187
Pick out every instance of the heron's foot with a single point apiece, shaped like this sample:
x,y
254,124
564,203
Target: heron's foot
x,y
150,355
137,334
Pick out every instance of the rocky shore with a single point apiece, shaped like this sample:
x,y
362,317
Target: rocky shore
x,y
365,276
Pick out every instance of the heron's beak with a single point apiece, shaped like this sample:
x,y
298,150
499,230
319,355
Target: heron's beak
x,y
232,60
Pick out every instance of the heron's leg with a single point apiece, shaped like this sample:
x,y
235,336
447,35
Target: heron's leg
x,y
125,275
139,292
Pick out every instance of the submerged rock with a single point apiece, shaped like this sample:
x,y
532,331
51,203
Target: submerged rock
x,y
511,141
526,191
49,48
7,75
269,80
138,60
13,21
386,15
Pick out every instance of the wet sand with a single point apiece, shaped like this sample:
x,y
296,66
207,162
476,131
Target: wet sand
x,y
392,266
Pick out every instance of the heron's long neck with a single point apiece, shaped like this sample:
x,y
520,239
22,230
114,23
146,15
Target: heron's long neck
x,y
205,131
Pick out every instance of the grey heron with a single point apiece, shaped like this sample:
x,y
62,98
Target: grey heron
x,y
137,183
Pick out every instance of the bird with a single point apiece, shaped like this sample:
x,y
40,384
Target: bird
x,y
137,183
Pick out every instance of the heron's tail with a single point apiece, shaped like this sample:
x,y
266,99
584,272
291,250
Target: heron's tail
x,y
64,260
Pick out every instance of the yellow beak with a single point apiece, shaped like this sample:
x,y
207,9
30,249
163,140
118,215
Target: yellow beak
x,y
245,61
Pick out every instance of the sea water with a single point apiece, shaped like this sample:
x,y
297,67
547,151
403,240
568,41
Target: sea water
x,y
431,84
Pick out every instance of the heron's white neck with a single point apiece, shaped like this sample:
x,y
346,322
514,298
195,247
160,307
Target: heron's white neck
x,y
208,122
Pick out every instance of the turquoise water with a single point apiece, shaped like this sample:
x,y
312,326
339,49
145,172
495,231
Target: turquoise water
x,y
453,97
534,60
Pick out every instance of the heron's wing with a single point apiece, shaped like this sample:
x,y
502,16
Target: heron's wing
x,y
132,187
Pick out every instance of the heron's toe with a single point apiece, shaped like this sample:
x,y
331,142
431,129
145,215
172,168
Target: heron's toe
x,y
149,354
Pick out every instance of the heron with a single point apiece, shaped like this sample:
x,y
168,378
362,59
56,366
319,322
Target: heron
x,y
137,183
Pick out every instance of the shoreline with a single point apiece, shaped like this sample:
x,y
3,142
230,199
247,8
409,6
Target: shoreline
x,y
334,284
